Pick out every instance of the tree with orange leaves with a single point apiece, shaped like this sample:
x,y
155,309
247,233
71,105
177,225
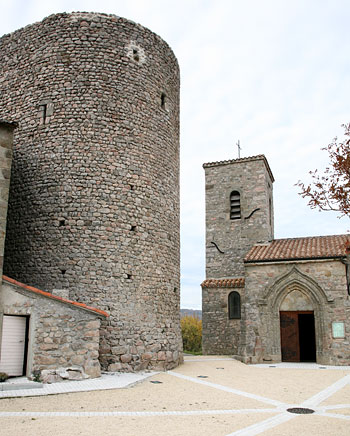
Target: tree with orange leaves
x,y
330,190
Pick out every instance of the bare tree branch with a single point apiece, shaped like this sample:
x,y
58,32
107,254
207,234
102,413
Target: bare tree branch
x,y
330,191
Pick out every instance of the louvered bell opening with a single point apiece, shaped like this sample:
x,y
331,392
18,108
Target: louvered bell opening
x,y
235,210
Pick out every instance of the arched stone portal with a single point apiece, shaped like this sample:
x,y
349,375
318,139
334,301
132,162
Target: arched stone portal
x,y
294,294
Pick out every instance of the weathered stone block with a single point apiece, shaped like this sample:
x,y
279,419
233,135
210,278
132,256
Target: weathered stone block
x,y
126,358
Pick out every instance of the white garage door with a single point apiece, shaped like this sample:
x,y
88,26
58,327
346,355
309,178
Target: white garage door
x,y
13,345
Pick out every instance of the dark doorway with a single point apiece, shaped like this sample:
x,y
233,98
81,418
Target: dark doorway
x,y
307,342
298,342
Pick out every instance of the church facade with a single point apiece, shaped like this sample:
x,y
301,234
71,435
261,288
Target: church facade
x,y
266,299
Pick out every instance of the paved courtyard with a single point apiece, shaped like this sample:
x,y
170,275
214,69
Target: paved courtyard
x,y
205,396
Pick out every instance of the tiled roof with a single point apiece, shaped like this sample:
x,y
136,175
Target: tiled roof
x,y
314,247
54,297
243,159
223,283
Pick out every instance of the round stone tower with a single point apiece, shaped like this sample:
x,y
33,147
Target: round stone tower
x,y
94,198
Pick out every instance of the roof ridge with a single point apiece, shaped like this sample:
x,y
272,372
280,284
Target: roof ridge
x,y
54,297
300,248
310,237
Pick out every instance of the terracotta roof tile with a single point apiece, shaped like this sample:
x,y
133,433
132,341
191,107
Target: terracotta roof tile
x,y
223,283
314,247
54,297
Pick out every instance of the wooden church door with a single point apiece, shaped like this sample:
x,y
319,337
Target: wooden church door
x,y
289,337
298,342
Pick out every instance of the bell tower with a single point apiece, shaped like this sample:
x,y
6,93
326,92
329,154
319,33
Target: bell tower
x,y
239,212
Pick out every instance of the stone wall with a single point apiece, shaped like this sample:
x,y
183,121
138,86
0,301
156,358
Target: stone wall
x,y
228,241
317,285
6,145
324,285
253,179
221,335
94,199
61,335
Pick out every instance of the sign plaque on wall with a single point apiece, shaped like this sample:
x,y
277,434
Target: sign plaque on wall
x,y
338,330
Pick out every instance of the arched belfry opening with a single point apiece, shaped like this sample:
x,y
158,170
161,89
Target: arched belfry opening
x,y
297,328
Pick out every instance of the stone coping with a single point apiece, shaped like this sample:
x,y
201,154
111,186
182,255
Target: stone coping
x,y
243,159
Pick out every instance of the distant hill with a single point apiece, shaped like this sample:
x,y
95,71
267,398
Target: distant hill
x,y
191,312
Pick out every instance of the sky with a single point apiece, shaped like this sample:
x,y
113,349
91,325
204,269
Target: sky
x,y
273,74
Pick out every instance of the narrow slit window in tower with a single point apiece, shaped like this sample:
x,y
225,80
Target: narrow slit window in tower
x,y
43,113
235,205
162,100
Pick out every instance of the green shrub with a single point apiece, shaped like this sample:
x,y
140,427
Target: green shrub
x,y
3,377
36,375
191,328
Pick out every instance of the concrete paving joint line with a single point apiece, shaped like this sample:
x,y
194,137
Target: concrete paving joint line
x,y
277,408
281,408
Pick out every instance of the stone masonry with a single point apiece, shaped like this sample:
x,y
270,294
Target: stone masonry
x,y
94,197
294,298
268,285
220,334
6,146
61,333
253,179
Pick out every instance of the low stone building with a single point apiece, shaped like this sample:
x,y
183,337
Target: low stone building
x,y
42,331
266,299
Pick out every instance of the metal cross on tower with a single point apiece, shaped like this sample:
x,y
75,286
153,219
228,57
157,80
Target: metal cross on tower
x,y
239,149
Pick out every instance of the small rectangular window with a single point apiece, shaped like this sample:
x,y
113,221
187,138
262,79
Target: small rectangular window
x,y
45,111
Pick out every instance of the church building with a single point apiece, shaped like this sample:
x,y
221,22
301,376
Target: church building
x,y
265,299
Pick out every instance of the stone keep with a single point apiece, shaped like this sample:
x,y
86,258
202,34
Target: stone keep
x,y
94,197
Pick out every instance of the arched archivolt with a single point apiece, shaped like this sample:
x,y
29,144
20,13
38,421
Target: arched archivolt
x,y
271,303
295,279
